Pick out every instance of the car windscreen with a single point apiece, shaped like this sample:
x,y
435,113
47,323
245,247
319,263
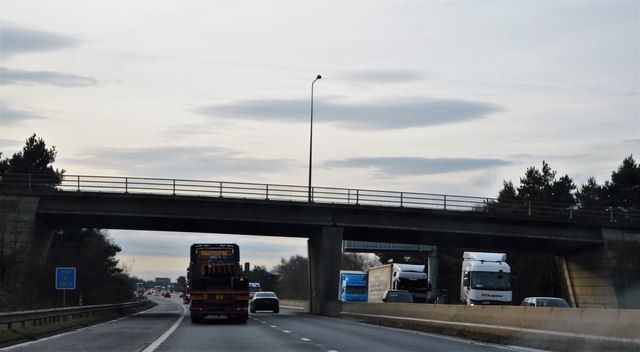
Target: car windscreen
x,y
552,303
399,297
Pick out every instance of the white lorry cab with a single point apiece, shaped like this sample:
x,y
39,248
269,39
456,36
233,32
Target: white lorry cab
x,y
485,279
412,278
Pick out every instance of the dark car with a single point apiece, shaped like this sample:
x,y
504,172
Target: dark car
x,y
545,302
397,296
167,295
264,300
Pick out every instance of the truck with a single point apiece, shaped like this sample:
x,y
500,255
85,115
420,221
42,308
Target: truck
x,y
217,286
409,277
253,288
140,289
353,286
485,279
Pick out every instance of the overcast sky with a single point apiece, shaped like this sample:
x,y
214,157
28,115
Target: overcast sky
x,y
433,96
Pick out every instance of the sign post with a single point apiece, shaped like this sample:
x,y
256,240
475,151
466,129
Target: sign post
x,y
65,280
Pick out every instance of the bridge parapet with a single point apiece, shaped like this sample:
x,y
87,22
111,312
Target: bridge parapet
x,y
37,184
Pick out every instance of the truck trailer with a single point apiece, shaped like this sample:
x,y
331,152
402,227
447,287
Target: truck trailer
x,y
353,286
217,286
485,279
409,277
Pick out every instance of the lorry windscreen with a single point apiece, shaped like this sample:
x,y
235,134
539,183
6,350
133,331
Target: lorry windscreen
x,y
412,285
355,290
486,280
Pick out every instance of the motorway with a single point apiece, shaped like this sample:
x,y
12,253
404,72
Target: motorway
x,y
167,327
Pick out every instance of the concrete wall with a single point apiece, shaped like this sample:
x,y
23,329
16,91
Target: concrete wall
x,y
606,276
325,255
26,239
549,328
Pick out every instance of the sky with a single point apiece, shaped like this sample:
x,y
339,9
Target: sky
x,y
434,96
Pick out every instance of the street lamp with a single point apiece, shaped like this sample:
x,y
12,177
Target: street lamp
x,y
311,136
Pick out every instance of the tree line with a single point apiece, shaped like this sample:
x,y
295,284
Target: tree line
x,y
100,279
103,280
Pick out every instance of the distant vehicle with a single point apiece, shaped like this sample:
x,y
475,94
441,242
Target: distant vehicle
x,y
408,277
397,296
545,302
353,286
264,300
140,289
253,288
485,279
167,295
217,283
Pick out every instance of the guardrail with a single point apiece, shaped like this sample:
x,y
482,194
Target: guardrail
x,y
55,314
162,186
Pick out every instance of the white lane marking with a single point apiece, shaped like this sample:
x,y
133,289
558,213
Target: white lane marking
x,y
152,347
273,326
286,331
305,339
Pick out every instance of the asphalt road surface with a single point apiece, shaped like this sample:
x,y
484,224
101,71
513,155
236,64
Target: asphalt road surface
x,y
167,327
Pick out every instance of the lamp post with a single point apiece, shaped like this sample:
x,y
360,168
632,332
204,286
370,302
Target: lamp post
x,y
311,137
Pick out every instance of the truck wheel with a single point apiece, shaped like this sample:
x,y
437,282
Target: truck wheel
x,y
195,319
277,310
252,310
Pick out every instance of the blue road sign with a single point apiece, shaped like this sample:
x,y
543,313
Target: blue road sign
x,y
65,278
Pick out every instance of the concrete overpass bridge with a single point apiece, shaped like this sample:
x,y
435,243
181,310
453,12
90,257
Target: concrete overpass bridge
x,y
597,250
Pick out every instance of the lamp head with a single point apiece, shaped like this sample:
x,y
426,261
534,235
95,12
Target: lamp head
x,y
318,77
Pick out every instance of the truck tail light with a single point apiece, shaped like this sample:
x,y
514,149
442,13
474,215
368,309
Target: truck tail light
x,y
242,309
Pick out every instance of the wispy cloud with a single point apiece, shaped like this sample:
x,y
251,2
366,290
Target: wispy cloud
x,y
190,162
17,40
415,166
22,77
382,76
15,117
390,114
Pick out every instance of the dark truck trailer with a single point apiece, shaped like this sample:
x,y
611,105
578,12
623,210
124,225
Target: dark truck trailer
x,y
217,284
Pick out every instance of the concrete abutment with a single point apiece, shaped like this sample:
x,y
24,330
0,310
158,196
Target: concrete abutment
x,y
25,242
606,276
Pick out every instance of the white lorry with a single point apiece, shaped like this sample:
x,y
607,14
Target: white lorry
x,y
412,278
485,279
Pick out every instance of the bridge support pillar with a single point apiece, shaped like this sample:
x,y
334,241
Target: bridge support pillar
x,y
607,276
432,274
25,243
325,255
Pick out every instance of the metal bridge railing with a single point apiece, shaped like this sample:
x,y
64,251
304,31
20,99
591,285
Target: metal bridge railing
x,y
12,183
